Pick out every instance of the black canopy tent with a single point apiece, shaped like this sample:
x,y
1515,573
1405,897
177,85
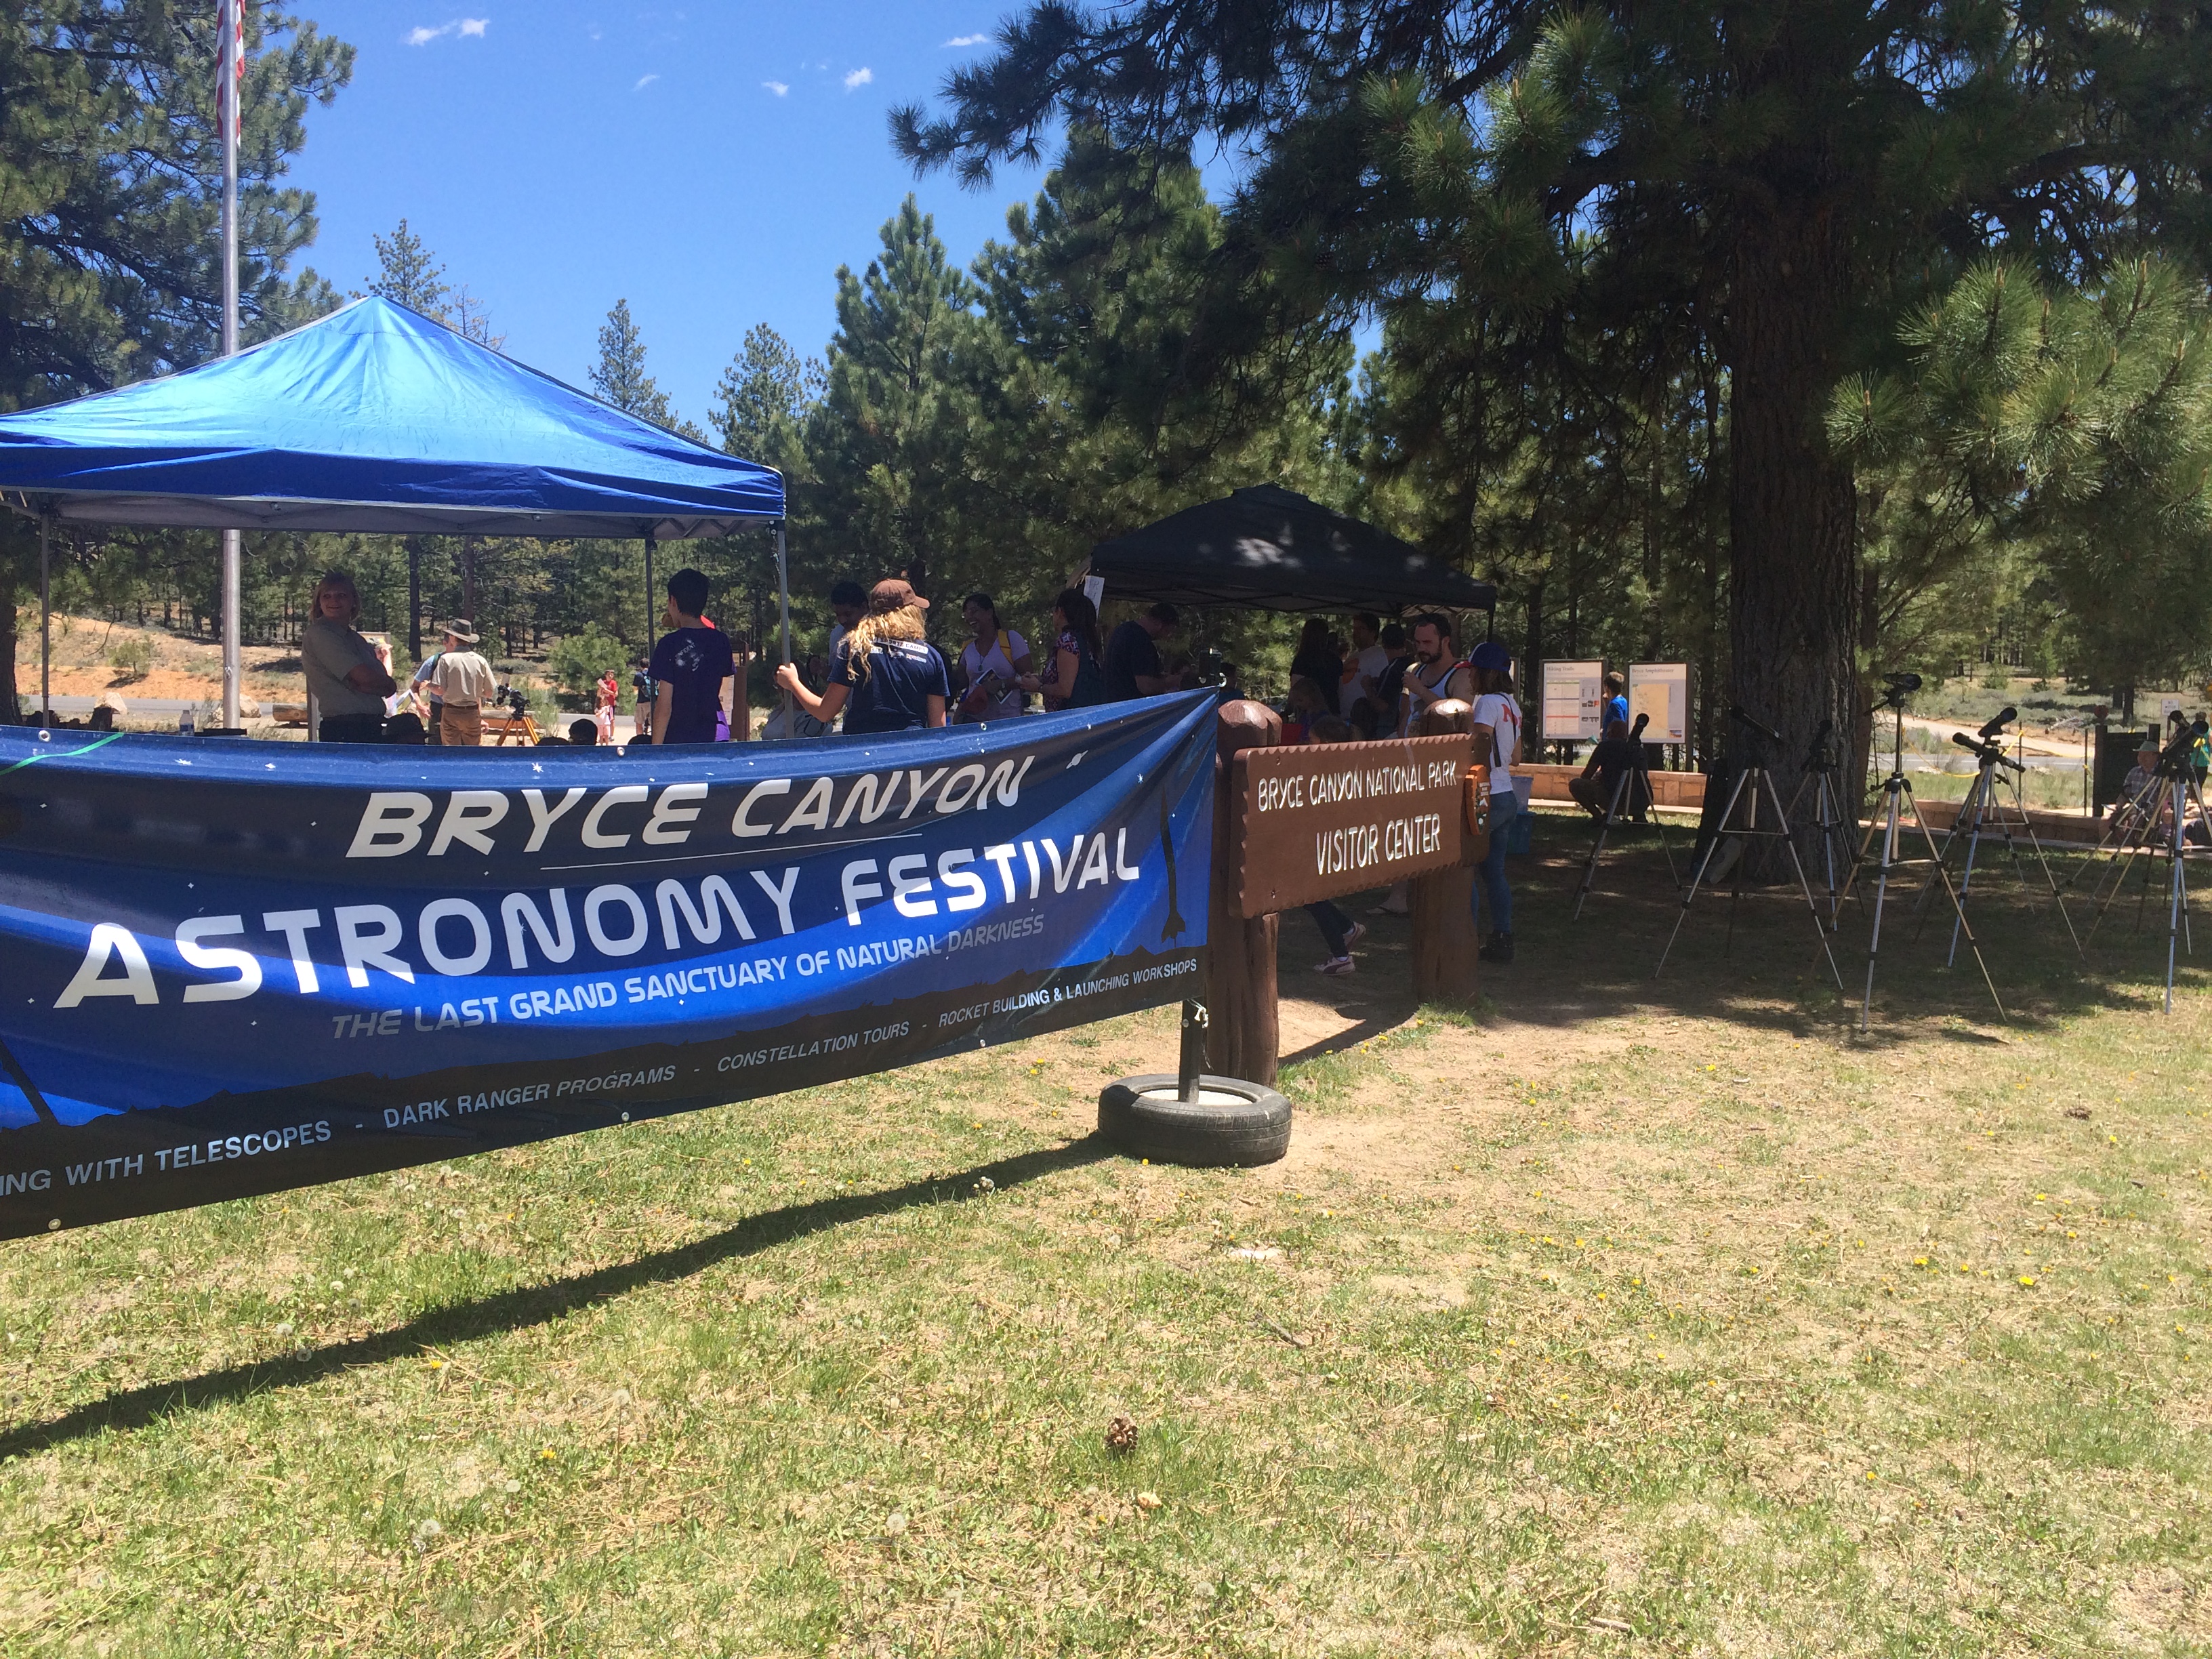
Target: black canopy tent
x,y
1270,549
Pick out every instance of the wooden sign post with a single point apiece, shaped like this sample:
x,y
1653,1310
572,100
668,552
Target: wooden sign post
x,y
1240,1033
1298,825
1442,900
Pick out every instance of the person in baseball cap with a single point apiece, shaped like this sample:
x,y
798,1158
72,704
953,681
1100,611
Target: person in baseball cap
x,y
464,686
884,675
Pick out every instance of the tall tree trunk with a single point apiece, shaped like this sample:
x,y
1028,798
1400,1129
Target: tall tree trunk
x,y
1532,668
11,705
1792,506
415,597
468,581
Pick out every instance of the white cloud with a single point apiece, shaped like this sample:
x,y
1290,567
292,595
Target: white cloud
x,y
643,81
467,27
779,88
858,78
967,40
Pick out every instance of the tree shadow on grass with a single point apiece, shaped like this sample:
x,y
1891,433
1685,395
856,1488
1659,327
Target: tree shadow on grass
x,y
1769,973
528,1305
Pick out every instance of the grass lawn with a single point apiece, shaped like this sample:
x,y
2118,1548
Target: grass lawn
x,y
1626,1316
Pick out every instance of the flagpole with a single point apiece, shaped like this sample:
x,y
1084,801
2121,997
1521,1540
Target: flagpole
x,y
231,43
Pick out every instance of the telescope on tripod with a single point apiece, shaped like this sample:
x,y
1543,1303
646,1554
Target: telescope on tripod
x,y
1746,818
2161,806
1983,814
1897,799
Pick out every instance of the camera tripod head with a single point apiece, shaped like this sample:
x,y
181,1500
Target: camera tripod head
x,y
1897,688
1821,755
1987,750
2174,761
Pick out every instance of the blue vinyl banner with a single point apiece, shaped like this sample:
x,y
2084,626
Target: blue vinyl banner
x,y
229,967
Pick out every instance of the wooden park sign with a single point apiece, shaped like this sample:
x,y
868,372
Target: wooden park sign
x,y
1321,820
1297,824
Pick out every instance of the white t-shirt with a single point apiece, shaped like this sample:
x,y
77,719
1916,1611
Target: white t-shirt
x,y
1370,662
1503,716
998,660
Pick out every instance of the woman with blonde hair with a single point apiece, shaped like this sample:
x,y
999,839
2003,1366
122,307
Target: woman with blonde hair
x,y
345,679
884,675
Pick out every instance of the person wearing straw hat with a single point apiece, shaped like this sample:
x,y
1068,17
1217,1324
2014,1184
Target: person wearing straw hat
x,y
463,684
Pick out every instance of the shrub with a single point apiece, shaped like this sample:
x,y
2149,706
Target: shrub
x,y
132,659
577,660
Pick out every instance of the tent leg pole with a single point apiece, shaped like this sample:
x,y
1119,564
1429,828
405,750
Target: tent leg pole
x,y
649,617
783,588
233,542
45,629
783,608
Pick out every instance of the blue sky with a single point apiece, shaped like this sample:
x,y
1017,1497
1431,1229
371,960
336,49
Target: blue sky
x,y
713,163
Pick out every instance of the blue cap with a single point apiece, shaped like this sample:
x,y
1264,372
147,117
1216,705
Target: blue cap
x,y
1491,656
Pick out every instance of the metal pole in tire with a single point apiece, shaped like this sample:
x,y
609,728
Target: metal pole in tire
x,y
1222,1118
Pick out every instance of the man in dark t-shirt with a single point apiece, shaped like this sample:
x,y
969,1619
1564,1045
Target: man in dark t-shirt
x,y
688,666
1133,657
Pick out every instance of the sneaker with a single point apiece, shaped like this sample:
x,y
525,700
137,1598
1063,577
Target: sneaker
x,y
1500,949
1336,967
1358,932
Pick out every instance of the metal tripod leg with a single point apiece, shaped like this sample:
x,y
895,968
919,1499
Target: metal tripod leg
x,y
2035,845
1704,864
1967,821
1782,822
1604,827
1900,792
1973,848
1952,895
1887,828
2123,854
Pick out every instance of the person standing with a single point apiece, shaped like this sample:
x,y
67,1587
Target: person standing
x,y
608,698
689,665
991,664
1338,933
1132,659
1363,669
849,603
1434,674
1317,658
1616,700
345,680
1381,710
464,684
1072,678
1498,745
426,694
885,676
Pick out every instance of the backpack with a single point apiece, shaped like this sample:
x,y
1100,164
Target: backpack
x,y
1090,688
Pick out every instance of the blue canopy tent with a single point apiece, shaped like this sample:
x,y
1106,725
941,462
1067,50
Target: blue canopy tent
x,y
373,419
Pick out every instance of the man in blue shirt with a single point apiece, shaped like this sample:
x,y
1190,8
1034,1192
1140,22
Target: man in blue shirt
x,y
688,666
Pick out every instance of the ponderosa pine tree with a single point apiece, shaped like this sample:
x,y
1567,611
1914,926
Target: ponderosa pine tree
x,y
886,443
1784,178
111,177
